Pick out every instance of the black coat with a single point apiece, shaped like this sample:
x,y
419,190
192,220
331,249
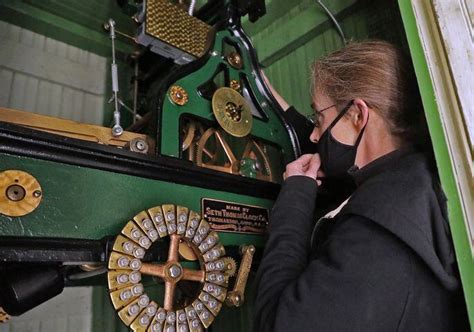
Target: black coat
x,y
385,262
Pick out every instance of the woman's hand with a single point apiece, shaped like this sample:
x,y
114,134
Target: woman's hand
x,y
306,165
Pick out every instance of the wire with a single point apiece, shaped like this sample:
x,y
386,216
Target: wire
x,y
333,19
191,7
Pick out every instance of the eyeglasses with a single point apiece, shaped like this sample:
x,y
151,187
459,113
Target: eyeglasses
x,y
315,117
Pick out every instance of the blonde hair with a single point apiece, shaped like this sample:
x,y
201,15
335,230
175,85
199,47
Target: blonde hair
x,y
376,72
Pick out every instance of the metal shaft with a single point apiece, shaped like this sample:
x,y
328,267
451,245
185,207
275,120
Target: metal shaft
x,y
117,129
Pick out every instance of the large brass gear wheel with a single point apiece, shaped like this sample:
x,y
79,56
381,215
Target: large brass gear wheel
x,y
214,152
126,268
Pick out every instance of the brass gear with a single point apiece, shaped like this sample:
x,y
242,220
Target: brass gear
x,y
189,130
192,132
126,268
230,266
215,153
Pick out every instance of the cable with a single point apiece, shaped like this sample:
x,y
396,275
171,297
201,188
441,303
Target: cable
x,y
191,7
333,19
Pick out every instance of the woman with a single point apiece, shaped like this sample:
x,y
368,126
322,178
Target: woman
x,y
383,260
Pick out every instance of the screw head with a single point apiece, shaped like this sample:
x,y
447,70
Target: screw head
x,y
140,145
117,130
15,192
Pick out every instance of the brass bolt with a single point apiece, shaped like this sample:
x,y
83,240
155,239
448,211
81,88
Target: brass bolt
x,y
235,60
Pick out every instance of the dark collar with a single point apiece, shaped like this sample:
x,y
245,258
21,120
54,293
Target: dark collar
x,y
377,166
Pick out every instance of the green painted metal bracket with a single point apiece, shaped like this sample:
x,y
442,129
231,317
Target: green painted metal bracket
x,y
269,131
443,157
65,23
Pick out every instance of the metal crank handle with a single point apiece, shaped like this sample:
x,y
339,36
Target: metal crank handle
x,y
236,296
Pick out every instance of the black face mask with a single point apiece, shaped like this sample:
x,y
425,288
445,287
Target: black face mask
x,y
337,157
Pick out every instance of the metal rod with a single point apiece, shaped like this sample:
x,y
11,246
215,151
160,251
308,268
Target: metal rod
x,y
117,129
191,7
123,34
135,92
333,19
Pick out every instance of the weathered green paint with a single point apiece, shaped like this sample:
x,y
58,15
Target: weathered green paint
x,y
72,22
443,157
80,202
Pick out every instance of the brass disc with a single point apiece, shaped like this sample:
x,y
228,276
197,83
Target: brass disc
x,y
187,252
232,112
20,193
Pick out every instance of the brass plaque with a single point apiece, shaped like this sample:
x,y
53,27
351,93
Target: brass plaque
x,y
233,217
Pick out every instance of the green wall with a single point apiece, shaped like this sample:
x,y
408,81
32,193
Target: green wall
x,y
294,33
77,23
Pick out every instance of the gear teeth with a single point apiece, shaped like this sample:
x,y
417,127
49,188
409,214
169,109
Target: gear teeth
x,y
230,266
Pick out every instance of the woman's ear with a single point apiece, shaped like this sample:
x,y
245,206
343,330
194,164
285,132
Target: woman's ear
x,y
360,113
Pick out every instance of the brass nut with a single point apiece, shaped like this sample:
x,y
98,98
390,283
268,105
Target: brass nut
x,y
178,95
